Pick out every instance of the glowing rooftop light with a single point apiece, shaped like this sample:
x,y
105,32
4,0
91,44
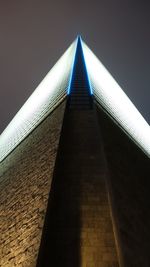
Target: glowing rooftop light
x,y
109,94
50,92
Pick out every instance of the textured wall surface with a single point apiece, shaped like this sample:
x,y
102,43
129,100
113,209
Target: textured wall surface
x,y
78,230
129,171
25,180
78,226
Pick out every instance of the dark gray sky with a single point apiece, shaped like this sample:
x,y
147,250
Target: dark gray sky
x,y
35,33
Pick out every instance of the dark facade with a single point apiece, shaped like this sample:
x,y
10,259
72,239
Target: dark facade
x,y
75,192
78,228
129,184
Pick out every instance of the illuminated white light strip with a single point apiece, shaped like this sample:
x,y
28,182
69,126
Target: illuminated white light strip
x,y
50,92
109,94
53,89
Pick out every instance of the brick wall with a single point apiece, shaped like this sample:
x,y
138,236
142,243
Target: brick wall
x,y
25,181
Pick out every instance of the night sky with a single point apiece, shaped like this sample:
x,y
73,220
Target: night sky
x,y
35,33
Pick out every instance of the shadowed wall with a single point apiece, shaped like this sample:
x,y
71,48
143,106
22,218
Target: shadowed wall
x,y
129,184
78,228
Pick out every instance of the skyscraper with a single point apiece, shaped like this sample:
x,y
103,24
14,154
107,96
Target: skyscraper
x,y
74,172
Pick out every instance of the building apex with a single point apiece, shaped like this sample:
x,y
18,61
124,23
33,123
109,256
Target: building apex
x,y
56,86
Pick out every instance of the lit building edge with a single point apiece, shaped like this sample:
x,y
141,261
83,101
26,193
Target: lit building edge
x,y
55,87
113,99
46,97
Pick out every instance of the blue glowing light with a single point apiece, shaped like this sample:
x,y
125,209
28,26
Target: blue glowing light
x,y
88,78
57,85
72,69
